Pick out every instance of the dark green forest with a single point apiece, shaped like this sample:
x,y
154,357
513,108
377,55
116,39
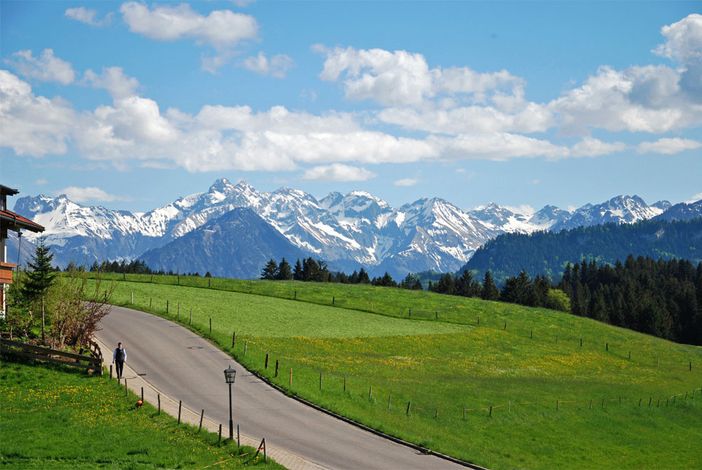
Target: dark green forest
x,y
661,298
546,253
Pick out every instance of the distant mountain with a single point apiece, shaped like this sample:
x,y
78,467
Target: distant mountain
x,y
682,211
236,244
548,252
346,230
620,210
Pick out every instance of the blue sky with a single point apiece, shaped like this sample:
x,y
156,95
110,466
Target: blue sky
x,y
131,105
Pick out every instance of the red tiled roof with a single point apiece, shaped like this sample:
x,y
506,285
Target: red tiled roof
x,y
13,220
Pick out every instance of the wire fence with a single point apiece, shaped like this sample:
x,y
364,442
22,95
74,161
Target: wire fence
x,y
336,389
319,294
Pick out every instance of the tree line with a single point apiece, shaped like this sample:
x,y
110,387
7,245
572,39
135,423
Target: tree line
x,y
662,298
520,289
312,270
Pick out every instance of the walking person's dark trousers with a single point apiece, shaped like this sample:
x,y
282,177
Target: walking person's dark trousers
x,y
120,367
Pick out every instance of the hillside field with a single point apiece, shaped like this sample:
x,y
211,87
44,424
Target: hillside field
x,y
51,418
497,384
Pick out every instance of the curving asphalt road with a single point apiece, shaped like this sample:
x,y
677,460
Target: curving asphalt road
x,y
186,367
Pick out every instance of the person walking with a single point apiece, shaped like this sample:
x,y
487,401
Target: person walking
x,y
119,357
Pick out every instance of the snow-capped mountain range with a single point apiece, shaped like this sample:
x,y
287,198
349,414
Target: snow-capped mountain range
x,y
348,231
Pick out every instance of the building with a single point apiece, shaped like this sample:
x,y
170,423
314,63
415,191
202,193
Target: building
x,y
9,221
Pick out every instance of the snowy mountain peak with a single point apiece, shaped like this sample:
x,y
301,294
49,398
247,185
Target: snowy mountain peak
x,y
346,230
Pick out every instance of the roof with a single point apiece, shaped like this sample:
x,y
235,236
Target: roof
x,y
8,190
9,219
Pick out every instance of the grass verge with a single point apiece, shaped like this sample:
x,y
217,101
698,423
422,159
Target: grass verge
x,y
52,418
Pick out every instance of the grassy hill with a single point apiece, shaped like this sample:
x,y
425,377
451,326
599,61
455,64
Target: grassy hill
x,y
51,418
497,384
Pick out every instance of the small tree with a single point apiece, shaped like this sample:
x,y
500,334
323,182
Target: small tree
x,y
489,291
76,310
270,270
40,275
411,282
284,271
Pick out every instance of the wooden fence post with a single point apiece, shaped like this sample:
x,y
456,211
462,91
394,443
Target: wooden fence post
x,y
132,298
202,415
407,411
333,301
110,371
166,306
238,436
246,347
210,325
142,394
126,391
606,346
219,441
370,392
158,398
190,320
320,381
180,406
290,379
344,384
389,395
266,364
276,368
581,342
233,339
150,300
490,413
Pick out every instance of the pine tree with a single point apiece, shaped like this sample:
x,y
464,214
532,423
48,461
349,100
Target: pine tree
x,y
297,271
489,291
40,276
284,271
363,277
270,271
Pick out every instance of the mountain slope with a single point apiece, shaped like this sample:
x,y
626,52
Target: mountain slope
x,y
348,231
548,252
237,244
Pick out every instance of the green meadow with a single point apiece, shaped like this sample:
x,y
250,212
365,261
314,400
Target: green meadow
x,y
51,418
496,384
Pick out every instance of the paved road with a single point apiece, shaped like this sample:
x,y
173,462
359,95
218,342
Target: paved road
x,y
186,367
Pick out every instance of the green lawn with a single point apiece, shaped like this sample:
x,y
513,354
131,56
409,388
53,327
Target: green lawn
x,y
554,403
51,418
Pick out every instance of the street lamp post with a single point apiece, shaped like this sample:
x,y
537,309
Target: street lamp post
x,y
229,377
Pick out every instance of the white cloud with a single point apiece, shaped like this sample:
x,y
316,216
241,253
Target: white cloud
x,y
41,181
46,68
591,147
168,23
405,182
469,119
668,146
32,125
276,66
87,16
496,146
338,172
113,80
683,40
695,198
404,78
90,193
638,99
221,29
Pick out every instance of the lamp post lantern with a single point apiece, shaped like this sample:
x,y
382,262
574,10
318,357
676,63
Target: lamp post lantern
x,y
229,377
